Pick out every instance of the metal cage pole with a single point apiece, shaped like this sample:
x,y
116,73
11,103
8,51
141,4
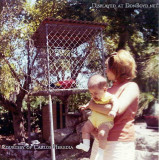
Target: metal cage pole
x,y
50,100
102,50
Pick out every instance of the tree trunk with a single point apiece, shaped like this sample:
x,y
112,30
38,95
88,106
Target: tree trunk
x,y
18,125
123,38
133,49
18,120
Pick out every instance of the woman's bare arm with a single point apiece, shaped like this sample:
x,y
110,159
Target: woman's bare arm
x,y
129,96
101,108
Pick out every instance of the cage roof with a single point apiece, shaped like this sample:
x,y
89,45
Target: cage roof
x,y
66,32
72,22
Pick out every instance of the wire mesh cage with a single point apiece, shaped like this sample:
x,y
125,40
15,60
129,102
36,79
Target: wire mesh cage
x,y
68,53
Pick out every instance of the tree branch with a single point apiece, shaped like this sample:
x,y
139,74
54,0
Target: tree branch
x,y
12,71
23,91
33,61
53,7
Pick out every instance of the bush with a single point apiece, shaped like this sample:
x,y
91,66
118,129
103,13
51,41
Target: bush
x,y
145,101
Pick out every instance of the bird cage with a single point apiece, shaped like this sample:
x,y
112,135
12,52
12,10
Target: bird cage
x,y
68,53
65,54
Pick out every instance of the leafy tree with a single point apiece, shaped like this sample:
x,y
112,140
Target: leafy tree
x,y
14,62
19,21
8,35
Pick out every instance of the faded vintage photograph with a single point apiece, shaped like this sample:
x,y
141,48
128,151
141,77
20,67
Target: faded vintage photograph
x,y
79,79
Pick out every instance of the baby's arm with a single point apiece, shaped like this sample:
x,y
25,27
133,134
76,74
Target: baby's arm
x,y
101,108
115,107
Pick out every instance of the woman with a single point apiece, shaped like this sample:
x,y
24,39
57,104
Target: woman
x,y
121,69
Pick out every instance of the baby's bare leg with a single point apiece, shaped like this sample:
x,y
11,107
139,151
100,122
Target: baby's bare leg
x,y
103,131
87,129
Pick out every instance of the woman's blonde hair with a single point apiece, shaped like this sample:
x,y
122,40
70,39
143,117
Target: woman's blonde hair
x,y
123,65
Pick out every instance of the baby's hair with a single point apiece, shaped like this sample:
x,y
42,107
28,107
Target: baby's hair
x,y
97,80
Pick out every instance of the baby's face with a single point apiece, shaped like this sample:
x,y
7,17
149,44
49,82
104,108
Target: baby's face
x,y
96,93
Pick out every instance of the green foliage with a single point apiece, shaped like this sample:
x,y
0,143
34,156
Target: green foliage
x,y
10,36
36,119
145,99
78,99
151,69
6,87
34,15
148,71
2,110
35,102
75,100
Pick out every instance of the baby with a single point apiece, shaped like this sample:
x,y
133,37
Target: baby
x,y
97,86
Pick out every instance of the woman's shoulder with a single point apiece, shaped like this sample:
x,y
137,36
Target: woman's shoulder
x,y
127,87
133,86
128,84
131,83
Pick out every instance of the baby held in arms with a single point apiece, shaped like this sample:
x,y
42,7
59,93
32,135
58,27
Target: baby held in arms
x,y
97,86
